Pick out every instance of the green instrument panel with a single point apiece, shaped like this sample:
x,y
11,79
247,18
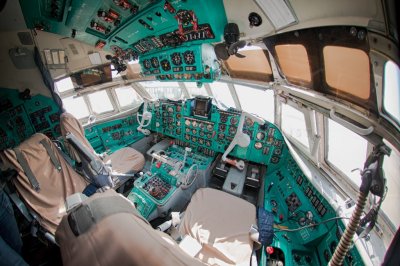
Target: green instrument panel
x,y
180,64
214,134
22,115
129,28
295,203
111,136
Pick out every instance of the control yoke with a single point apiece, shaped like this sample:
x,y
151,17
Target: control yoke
x,y
144,119
241,139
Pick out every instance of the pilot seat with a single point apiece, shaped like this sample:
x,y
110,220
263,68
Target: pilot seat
x,y
124,161
116,234
44,179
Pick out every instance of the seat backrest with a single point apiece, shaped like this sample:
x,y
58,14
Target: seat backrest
x,y
70,124
55,183
121,238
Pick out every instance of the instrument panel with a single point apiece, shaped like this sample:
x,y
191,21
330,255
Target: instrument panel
x,y
179,64
129,28
113,135
22,115
215,132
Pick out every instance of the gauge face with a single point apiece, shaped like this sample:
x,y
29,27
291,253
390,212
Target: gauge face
x,y
187,122
201,133
210,127
258,145
221,136
209,135
187,130
249,122
194,131
147,64
208,143
232,130
194,124
176,59
188,57
234,120
178,116
187,137
194,139
154,62
166,66
178,108
162,77
260,136
201,125
178,131
201,141
170,110
222,127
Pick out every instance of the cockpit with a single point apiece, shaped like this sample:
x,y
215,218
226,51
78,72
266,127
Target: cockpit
x,y
213,132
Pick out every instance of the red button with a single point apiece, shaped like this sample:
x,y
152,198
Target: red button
x,y
269,250
281,216
158,164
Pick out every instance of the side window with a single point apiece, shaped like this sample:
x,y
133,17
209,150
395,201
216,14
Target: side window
x,y
391,91
256,101
100,102
294,124
222,94
64,85
127,97
76,106
345,150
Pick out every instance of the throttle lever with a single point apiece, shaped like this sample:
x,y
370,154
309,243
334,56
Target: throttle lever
x,y
239,164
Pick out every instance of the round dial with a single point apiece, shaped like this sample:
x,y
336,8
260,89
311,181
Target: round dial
x,y
176,59
234,120
194,131
221,136
188,57
232,130
178,131
201,125
258,145
194,124
260,136
194,139
147,64
187,122
154,62
187,137
166,66
201,133
210,127
187,130
249,122
201,141
208,143
222,127
170,110
178,108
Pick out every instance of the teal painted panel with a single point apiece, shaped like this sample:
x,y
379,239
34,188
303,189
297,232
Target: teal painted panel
x,y
22,117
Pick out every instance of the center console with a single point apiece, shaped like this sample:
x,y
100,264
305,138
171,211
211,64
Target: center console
x,y
175,174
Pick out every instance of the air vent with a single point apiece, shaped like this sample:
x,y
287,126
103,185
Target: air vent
x,y
25,38
73,49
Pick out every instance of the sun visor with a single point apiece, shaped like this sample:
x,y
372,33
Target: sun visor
x,y
331,60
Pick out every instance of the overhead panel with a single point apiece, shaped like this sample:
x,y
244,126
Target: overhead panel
x,y
132,28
